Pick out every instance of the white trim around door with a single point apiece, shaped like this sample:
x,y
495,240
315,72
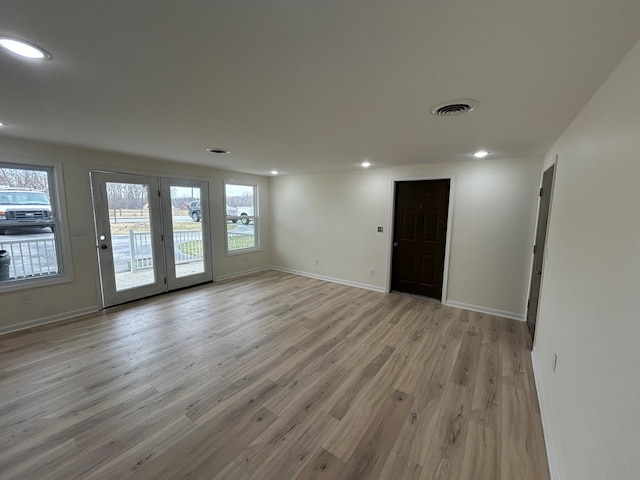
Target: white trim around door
x,y
392,189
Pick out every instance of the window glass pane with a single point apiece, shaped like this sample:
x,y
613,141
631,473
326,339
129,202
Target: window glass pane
x,y
242,217
28,243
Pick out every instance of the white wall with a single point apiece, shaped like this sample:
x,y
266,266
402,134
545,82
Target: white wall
x,y
66,299
589,300
333,218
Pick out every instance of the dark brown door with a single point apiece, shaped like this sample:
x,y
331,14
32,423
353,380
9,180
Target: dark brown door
x,y
419,237
538,250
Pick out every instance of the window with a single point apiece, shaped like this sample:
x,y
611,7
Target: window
x,y
30,234
242,217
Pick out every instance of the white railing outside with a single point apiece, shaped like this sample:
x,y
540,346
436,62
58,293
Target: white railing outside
x,y
238,241
31,258
140,248
34,258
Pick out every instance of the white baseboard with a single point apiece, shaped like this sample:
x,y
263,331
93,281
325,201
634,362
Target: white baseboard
x,y
51,319
490,311
76,313
554,471
341,281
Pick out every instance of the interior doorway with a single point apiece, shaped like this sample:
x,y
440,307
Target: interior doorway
x,y
152,234
538,250
421,211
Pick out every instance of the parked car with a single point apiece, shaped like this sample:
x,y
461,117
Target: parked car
x,y
195,211
24,207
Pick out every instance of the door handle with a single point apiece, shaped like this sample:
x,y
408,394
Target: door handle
x,y
538,272
104,246
395,244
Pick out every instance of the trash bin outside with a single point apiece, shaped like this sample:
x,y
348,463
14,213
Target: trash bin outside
x,y
5,260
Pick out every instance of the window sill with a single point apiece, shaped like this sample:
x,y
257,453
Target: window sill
x,y
29,283
235,253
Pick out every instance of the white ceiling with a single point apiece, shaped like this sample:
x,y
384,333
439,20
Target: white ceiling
x,y
308,86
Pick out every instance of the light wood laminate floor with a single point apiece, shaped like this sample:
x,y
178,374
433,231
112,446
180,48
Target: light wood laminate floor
x,y
272,376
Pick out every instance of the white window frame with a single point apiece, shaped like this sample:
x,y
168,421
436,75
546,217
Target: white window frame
x,y
61,230
255,217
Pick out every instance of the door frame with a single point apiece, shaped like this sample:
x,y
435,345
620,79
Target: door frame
x,y
173,282
208,238
391,223
109,294
544,252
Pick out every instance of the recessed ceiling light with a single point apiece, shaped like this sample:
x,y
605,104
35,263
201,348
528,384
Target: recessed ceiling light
x,y
217,151
24,49
274,172
481,154
365,164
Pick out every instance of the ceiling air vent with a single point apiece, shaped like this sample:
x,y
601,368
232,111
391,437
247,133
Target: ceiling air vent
x,y
453,107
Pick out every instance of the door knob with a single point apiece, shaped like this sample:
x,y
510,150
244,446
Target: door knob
x,y
395,244
103,246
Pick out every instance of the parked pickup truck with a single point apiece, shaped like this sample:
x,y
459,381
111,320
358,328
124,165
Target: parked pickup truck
x,y
243,214
233,213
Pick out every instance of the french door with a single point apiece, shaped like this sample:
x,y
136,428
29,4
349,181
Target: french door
x,y
152,234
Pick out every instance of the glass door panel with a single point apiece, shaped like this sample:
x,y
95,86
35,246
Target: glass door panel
x,y
188,250
128,235
130,228
186,222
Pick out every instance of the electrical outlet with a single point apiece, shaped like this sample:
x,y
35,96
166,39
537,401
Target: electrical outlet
x,y
380,229
372,273
554,362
